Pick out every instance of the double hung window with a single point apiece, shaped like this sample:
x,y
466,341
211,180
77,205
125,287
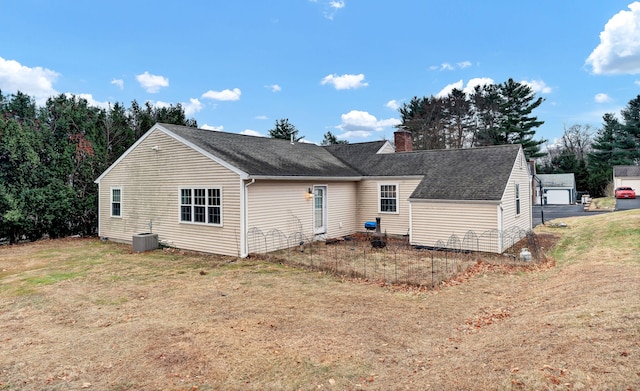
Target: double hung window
x,y
388,198
201,205
116,202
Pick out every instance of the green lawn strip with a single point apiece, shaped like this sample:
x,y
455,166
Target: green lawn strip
x,y
616,233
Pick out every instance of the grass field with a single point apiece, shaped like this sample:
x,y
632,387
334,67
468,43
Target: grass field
x,y
83,314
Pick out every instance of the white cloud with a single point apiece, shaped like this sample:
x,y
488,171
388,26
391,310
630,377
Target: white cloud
x,y
274,87
261,117
468,89
332,8
619,48
393,104
345,82
602,98
118,82
445,66
152,83
36,82
477,81
89,99
223,95
211,127
160,104
192,107
538,86
352,134
363,123
448,88
250,132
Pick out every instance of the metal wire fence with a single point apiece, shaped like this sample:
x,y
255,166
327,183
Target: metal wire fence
x,y
398,262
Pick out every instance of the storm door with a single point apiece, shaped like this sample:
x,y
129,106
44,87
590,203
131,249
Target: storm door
x,y
320,210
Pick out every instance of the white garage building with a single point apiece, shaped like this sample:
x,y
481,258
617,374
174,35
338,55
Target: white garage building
x,y
627,176
558,189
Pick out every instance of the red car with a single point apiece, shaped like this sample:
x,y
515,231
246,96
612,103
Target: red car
x,y
625,192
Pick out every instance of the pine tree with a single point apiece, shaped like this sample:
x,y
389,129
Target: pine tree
x,y
330,139
284,130
517,125
603,155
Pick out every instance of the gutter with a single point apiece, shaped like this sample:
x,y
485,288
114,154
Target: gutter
x,y
304,178
486,202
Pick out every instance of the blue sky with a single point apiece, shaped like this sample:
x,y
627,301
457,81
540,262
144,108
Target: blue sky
x,y
342,66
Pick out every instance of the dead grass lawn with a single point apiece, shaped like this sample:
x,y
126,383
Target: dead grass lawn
x,y
80,314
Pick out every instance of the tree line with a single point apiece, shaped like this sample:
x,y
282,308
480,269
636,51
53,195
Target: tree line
x,y
491,114
51,155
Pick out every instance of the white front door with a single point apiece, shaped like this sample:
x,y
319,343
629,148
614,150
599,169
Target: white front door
x,y
320,210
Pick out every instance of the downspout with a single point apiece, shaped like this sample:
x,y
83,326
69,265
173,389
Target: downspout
x,y
99,210
500,228
244,221
541,200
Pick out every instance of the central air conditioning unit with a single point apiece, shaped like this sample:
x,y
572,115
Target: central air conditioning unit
x,y
145,242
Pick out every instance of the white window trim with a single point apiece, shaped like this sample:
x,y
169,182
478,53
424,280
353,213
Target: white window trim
x,y
379,185
206,206
111,202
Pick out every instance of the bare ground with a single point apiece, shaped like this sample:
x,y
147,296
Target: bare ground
x,y
81,314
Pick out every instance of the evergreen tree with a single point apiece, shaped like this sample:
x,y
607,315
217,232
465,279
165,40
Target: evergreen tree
x,y
283,129
603,155
517,125
459,119
20,171
627,140
423,117
330,139
50,156
491,115
487,102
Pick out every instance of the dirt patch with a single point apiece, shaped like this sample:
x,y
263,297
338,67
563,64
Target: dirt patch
x,y
182,321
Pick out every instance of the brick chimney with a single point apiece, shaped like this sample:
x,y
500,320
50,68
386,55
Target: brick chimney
x,y
403,141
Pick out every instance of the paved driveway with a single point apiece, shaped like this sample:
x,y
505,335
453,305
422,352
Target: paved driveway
x,y
552,212
627,204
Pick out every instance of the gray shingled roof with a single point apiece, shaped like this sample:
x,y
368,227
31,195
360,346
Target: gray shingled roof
x,y
557,180
354,154
260,156
626,171
450,174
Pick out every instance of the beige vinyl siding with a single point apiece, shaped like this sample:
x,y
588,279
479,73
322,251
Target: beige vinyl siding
x,y
433,221
368,205
151,180
387,148
510,219
342,200
280,213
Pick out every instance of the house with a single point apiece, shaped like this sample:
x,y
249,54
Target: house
x,y
626,176
558,189
215,192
